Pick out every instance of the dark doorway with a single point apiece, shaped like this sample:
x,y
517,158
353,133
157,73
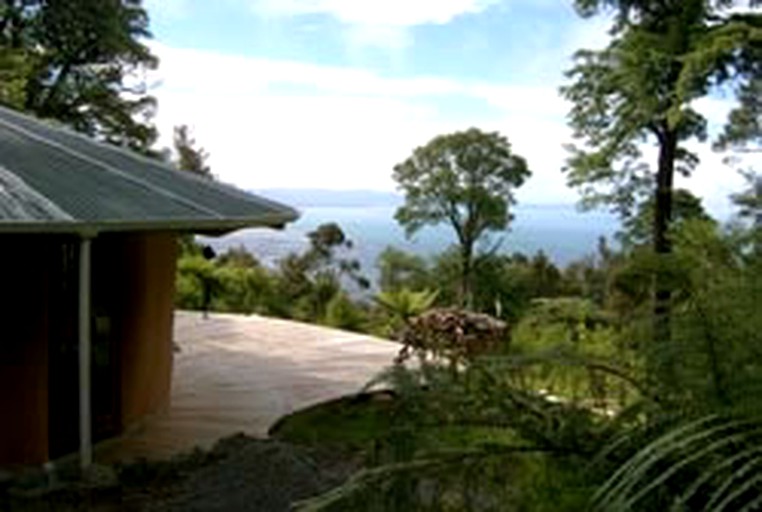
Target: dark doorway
x,y
63,374
63,346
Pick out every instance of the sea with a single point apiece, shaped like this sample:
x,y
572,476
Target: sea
x,y
562,232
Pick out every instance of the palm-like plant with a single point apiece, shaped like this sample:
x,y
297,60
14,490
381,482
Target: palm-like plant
x,y
399,306
403,304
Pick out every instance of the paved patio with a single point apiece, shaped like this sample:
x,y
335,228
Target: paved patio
x,y
241,373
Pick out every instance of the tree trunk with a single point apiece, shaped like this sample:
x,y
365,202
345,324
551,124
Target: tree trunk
x,y
466,257
664,357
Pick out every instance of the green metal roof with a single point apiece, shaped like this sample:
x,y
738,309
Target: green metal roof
x,y
55,180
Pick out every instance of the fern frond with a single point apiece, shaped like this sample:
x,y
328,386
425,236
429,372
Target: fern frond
x,y
707,446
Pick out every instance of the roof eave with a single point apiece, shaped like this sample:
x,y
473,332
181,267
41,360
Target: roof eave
x,y
181,226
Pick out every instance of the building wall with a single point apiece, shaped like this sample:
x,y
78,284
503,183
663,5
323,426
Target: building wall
x,y
145,337
133,279
23,350
133,276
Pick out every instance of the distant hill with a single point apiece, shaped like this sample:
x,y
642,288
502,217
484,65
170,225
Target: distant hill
x,y
314,198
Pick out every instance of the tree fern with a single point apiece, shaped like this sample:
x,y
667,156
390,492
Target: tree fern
x,y
710,464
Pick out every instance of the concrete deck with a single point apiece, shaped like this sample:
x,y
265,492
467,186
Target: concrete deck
x,y
241,373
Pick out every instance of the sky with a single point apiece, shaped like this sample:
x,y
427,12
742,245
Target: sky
x,y
333,93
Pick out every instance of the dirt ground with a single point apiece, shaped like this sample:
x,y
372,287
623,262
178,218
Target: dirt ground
x,y
239,474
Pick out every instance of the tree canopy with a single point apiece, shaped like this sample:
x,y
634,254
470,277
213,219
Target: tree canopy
x,y
466,180
81,62
190,157
641,89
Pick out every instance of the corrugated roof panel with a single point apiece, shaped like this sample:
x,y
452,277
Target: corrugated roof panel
x,y
84,190
18,201
96,183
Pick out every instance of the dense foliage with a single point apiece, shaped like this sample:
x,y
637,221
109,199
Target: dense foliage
x,y
308,286
569,395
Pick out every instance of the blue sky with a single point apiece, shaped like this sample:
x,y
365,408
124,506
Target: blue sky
x,y
333,93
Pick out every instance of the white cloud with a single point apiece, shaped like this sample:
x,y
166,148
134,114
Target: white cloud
x,y
375,23
389,13
233,74
271,123
532,101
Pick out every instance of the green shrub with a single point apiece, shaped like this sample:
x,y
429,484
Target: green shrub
x,y
342,313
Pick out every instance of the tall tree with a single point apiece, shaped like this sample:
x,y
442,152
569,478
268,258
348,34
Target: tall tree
x,y
84,62
190,157
464,179
638,228
640,89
